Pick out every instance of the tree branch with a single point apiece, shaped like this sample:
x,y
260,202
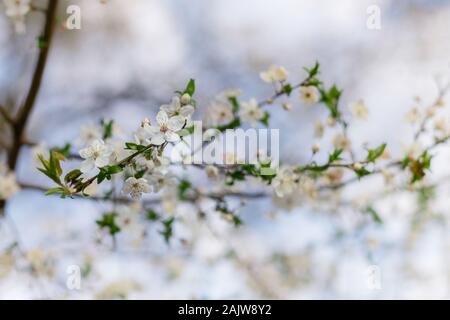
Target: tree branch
x,y
25,111
5,114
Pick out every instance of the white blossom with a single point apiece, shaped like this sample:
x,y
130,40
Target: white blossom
x,y
8,183
136,187
359,110
89,133
176,108
16,10
218,114
274,74
166,130
212,172
250,112
309,94
319,129
159,180
340,141
127,216
413,116
285,182
97,154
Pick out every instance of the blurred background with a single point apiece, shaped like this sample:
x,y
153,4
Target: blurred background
x,y
128,59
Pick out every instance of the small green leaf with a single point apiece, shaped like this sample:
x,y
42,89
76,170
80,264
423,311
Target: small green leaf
x,y
335,156
167,232
190,88
152,215
265,119
108,221
374,214
287,88
374,154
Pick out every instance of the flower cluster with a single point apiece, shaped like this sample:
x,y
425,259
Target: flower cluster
x,y
143,168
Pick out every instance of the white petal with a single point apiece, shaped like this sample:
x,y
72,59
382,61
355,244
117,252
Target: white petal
x,y
87,165
162,118
176,123
86,153
157,139
168,108
152,130
186,111
171,136
102,161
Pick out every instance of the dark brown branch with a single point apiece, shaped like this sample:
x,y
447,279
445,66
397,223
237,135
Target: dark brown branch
x,y
25,111
5,114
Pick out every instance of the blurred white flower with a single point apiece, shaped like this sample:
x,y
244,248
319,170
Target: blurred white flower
x,y
359,110
127,217
212,172
340,141
8,183
16,10
274,74
441,126
118,152
97,154
250,112
159,180
285,182
315,148
136,187
319,129
176,108
413,116
229,93
309,94
89,133
414,150
218,114
166,130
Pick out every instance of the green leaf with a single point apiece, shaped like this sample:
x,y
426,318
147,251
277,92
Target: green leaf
x,y
167,232
113,169
265,119
65,150
190,88
374,214
362,172
313,71
234,104
108,221
183,188
101,176
152,215
107,128
374,154
287,88
335,156
235,123
72,176
54,190
42,43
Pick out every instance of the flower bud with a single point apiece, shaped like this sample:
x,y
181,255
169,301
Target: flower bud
x,y
315,148
357,166
185,98
212,172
